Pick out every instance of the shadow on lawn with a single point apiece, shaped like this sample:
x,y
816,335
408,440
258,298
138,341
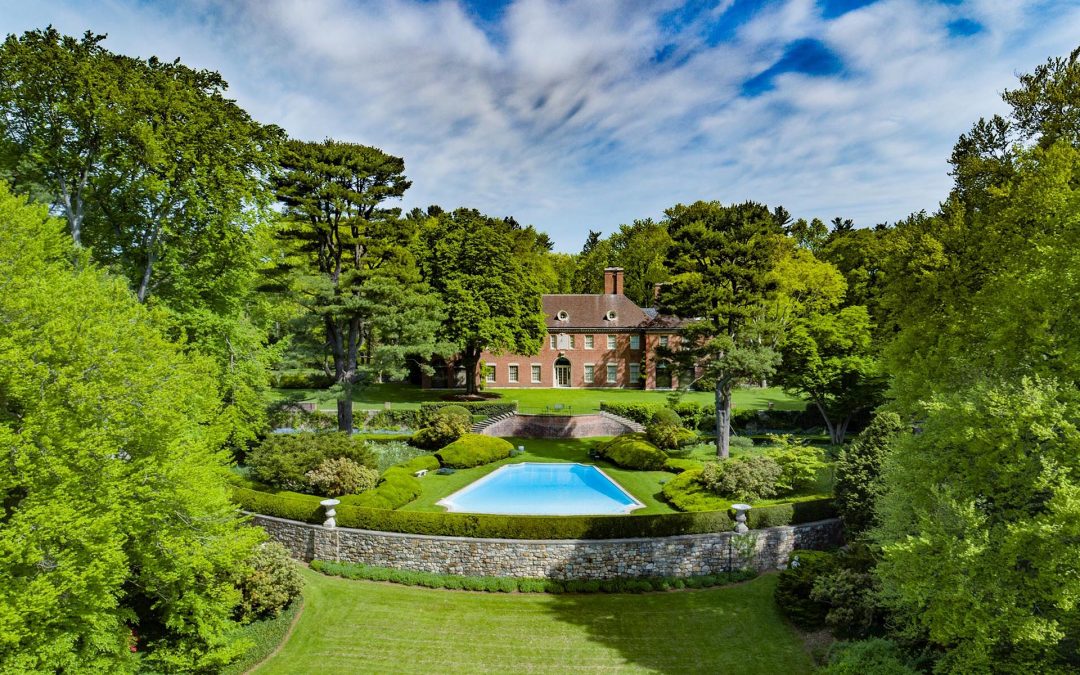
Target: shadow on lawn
x,y
727,629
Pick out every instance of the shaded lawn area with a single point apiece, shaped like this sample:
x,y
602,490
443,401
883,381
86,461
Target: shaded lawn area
x,y
645,485
360,626
407,396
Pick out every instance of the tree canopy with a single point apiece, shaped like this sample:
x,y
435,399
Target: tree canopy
x,y
116,524
492,299
721,259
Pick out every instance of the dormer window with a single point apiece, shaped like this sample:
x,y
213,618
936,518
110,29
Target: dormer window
x,y
562,315
612,315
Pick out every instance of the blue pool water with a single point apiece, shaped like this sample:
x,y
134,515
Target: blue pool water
x,y
544,489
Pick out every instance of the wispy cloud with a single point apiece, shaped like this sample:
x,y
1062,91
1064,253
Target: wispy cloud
x,y
585,114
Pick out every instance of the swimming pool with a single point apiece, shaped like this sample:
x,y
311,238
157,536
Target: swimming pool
x,y
541,489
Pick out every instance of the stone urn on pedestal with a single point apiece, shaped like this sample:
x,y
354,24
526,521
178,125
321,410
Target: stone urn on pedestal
x,y
329,505
740,517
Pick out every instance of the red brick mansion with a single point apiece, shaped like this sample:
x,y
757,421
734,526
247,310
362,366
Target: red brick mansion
x,y
594,340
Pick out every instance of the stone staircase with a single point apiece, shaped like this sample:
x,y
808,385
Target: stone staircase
x,y
479,427
628,423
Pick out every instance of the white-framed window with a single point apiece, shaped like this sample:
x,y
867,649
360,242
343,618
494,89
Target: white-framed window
x,y
611,342
589,341
572,341
635,342
635,373
489,373
612,373
551,341
514,372
663,341
590,373
536,373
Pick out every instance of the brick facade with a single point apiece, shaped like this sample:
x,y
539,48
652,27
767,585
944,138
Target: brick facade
x,y
571,321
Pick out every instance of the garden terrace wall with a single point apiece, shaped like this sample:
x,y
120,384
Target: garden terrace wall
x,y
677,556
560,426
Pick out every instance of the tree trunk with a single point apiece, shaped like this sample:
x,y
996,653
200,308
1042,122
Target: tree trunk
x,y
836,430
471,357
339,351
723,418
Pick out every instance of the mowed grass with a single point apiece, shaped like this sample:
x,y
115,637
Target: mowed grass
x,y
368,627
406,396
645,485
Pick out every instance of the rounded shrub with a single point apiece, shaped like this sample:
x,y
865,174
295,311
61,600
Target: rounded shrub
x,y
473,450
339,476
633,451
444,425
666,416
270,582
748,478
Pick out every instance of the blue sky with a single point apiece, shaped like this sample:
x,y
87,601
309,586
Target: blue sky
x,y
584,115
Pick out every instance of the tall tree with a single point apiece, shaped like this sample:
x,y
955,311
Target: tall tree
x,y
493,301
980,512
640,249
346,262
116,521
160,176
595,255
720,259
828,358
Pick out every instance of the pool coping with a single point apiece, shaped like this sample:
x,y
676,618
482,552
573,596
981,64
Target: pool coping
x,y
448,503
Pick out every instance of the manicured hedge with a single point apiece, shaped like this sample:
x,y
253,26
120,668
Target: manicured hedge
x,y
633,451
642,413
306,508
511,584
395,419
267,635
679,465
486,408
397,487
473,450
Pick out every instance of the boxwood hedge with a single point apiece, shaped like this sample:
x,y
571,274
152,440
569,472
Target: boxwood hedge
x,y
306,508
473,450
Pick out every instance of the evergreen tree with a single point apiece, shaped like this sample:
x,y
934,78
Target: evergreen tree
x,y
720,260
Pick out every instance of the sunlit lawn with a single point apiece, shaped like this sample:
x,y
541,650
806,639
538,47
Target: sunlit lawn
x,y
359,626
537,400
645,485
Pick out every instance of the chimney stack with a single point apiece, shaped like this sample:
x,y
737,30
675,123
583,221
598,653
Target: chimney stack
x,y
613,280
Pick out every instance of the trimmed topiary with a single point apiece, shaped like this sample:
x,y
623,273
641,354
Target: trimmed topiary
x,y
633,451
473,450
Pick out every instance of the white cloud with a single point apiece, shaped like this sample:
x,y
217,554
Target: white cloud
x,y
559,116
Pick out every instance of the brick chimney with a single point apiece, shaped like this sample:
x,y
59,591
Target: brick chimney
x,y
613,280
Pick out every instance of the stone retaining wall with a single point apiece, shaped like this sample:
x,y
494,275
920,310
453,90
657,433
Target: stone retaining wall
x,y
560,426
680,556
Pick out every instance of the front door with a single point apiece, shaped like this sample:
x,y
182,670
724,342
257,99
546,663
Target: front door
x,y
562,376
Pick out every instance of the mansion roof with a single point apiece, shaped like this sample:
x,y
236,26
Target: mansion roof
x,y
601,311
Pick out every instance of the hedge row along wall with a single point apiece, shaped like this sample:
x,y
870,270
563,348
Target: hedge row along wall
x,y
681,556
307,509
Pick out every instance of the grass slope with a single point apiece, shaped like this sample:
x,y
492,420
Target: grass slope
x,y
405,396
645,485
356,626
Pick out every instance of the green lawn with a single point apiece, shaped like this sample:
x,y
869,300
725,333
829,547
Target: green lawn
x,y
535,400
358,626
645,485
